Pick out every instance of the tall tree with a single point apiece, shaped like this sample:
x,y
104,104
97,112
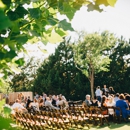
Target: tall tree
x,y
90,54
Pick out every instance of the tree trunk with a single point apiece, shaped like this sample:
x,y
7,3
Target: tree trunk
x,y
92,82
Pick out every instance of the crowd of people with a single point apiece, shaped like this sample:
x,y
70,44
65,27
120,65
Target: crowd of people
x,y
106,98
25,104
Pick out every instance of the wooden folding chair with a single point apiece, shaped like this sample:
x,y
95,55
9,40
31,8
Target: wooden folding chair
x,y
117,118
102,117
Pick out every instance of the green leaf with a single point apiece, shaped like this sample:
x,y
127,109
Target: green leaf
x,y
21,11
100,2
69,11
22,39
6,2
111,2
20,61
11,44
1,55
60,32
1,40
4,21
92,7
52,3
60,5
65,25
44,22
12,15
35,13
52,21
11,54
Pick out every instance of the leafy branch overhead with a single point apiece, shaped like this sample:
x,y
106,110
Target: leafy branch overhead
x,y
23,21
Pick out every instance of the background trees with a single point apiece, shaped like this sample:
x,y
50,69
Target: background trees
x,y
58,74
118,74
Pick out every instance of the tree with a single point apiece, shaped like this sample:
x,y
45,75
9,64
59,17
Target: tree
x,y
119,68
91,56
23,81
23,21
58,74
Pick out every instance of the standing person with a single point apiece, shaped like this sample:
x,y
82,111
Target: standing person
x,y
98,94
105,90
36,95
111,90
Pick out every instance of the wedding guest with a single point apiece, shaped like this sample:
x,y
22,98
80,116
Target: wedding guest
x,y
105,90
98,94
17,106
116,97
88,101
95,102
122,104
104,105
111,90
111,103
49,104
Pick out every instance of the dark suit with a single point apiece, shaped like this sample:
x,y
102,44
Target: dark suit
x,y
105,91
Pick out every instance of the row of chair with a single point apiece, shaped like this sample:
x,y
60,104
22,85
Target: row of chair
x,y
73,117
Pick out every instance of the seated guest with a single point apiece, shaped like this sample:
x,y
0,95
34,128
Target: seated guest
x,y
116,97
62,103
18,107
111,103
104,101
28,102
87,101
41,105
95,102
54,100
49,104
127,99
122,104
104,105
34,105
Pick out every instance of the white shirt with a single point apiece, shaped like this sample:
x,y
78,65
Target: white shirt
x,y
17,105
111,111
98,92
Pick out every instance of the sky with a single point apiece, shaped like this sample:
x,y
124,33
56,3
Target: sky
x,y
115,19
